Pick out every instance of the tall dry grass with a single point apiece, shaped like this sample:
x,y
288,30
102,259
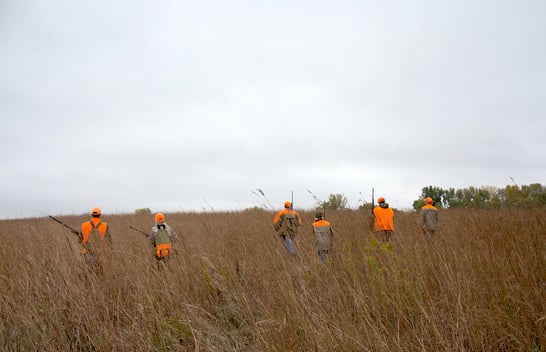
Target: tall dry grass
x,y
479,286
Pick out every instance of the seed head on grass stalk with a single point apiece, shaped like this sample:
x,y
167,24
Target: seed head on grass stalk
x,y
320,204
259,192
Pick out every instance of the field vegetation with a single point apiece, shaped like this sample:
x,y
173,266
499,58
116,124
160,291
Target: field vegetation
x,y
479,286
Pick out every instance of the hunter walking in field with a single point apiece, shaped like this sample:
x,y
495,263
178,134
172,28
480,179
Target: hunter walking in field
x,y
162,237
428,218
94,235
286,223
323,235
383,220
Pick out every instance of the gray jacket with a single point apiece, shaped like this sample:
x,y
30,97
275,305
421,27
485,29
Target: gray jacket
x,y
428,217
156,238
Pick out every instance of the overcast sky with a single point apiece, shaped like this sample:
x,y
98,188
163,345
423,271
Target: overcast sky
x,y
194,105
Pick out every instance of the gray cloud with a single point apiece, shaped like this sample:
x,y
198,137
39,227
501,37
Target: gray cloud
x,y
179,106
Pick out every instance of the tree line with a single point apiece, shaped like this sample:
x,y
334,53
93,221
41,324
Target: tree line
x,y
524,196
533,195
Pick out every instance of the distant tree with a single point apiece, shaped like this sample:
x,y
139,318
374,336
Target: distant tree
x,y
486,196
336,201
417,204
143,211
535,194
366,206
452,198
254,209
436,193
526,195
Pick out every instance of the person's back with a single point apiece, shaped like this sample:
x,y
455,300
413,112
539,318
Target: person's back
x,y
286,223
323,235
162,237
383,219
94,234
428,217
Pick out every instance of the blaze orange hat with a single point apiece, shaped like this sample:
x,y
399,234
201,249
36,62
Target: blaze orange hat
x,y
428,200
380,200
95,211
287,204
159,217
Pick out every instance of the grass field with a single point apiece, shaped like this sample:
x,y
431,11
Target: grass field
x,y
479,286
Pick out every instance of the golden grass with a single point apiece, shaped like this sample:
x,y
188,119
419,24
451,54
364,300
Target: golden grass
x,y
479,286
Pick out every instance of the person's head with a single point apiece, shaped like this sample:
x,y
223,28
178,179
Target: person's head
x,y
428,200
287,204
380,200
159,218
95,212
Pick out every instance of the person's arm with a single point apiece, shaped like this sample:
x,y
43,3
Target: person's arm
x,y
173,235
421,217
153,234
107,234
83,233
277,221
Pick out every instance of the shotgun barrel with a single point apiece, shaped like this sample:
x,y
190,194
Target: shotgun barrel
x,y
73,230
137,230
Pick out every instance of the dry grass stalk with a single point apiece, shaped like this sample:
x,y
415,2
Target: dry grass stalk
x,y
480,286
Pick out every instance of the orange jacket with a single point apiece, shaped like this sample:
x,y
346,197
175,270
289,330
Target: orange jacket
x,y
383,218
286,211
87,229
323,234
428,217
284,221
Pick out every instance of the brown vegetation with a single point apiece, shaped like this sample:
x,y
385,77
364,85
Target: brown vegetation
x,y
480,286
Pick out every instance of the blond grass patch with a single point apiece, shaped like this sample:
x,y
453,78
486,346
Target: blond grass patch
x,y
479,286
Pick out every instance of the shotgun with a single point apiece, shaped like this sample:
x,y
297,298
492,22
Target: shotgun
x,y
373,201
137,230
292,202
73,230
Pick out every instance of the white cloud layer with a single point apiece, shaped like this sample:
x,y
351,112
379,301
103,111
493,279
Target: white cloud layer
x,y
192,106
